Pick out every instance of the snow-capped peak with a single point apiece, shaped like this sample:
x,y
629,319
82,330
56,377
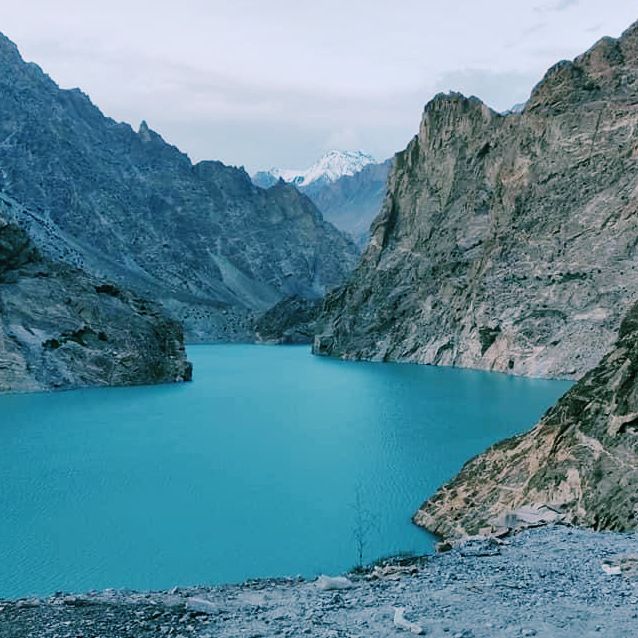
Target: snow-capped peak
x,y
329,168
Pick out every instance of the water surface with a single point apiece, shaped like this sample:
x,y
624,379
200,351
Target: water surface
x,y
252,470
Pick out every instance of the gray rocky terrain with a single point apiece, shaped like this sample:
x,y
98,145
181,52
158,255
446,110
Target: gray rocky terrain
x,y
553,582
506,242
201,239
61,328
579,464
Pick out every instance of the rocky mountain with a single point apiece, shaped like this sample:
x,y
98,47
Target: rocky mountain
x,y
579,464
353,201
328,168
506,242
60,328
201,239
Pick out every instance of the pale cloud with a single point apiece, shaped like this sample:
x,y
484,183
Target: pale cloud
x,y
558,5
278,82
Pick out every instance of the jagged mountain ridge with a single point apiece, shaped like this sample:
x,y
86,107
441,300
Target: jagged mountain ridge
x,y
60,328
506,242
201,239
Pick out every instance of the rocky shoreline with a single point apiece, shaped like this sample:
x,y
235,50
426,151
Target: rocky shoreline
x,y
553,581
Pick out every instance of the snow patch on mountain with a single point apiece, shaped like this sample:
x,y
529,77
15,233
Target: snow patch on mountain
x,y
329,168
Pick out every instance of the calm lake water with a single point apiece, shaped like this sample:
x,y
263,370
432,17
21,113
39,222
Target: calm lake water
x,y
251,470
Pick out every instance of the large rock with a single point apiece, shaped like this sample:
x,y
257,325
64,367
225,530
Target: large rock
x,y
506,242
291,321
201,239
60,328
578,465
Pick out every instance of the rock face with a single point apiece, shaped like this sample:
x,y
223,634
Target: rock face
x,y
201,239
60,328
353,201
292,320
579,463
506,242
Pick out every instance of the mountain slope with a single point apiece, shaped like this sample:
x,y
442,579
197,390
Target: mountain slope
x,y
353,201
60,328
506,242
202,239
346,186
580,461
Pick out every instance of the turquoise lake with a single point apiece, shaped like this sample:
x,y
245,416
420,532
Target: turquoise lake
x,y
252,470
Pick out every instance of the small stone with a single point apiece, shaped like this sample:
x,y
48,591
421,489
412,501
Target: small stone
x,y
611,570
201,605
328,583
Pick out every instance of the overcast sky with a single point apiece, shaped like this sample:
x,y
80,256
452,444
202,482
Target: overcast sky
x,y
267,83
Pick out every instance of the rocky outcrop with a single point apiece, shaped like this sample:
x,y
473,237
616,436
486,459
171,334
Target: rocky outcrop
x,y
60,328
579,464
506,242
201,239
291,321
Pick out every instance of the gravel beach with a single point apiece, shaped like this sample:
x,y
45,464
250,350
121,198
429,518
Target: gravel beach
x,y
549,582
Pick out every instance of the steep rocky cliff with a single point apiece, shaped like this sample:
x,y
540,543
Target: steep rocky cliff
x,y
60,328
201,239
580,463
506,242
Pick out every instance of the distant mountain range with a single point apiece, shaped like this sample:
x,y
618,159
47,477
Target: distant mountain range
x,y
347,186
329,168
